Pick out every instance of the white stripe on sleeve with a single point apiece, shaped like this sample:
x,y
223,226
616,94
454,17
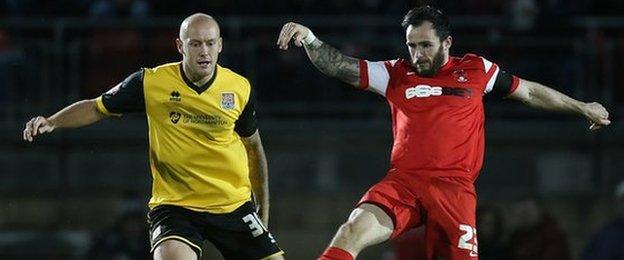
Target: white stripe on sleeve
x,y
378,77
490,84
486,65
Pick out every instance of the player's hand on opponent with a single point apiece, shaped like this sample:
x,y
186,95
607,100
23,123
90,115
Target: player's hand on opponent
x,y
37,125
292,31
597,115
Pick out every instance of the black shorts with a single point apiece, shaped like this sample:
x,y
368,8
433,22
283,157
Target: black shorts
x,y
238,235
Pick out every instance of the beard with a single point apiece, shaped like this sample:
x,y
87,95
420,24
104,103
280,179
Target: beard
x,y
434,65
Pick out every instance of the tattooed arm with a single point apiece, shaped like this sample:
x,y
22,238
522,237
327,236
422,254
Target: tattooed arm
x,y
325,58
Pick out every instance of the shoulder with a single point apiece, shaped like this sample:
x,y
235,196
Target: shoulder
x,y
232,77
474,61
398,63
167,67
394,64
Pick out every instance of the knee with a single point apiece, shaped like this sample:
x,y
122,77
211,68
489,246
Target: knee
x,y
173,249
350,230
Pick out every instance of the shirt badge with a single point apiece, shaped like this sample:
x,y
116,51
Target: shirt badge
x,y
227,100
460,75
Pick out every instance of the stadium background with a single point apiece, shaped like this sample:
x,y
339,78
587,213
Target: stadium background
x,y
73,191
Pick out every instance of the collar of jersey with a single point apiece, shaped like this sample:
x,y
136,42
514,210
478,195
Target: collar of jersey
x,y
448,64
202,88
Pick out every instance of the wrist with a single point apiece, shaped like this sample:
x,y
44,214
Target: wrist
x,y
51,122
308,39
581,108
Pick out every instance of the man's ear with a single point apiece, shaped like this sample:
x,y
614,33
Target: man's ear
x,y
179,46
447,43
220,44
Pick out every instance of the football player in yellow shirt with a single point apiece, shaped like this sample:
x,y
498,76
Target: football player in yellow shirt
x,y
206,156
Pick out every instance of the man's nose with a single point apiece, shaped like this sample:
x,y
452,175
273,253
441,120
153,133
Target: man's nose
x,y
418,53
204,49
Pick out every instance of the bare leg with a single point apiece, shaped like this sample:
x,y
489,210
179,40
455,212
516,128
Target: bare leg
x,y
277,257
172,249
367,225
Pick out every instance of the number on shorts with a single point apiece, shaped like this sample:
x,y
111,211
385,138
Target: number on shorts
x,y
255,224
464,240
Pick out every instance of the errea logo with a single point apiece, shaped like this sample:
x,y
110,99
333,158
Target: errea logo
x,y
175,96
423,91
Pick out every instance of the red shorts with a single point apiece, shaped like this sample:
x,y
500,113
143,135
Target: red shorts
x,y
445,205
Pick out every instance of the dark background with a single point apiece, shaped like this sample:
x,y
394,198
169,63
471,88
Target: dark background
x,y
81,194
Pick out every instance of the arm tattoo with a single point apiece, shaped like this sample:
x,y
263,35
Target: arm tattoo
x,y
333,63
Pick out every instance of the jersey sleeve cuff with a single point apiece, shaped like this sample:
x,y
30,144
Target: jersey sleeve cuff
x,y
363,74
515,82
100,107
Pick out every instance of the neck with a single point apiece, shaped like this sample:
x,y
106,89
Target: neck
x,y
196,79
446,59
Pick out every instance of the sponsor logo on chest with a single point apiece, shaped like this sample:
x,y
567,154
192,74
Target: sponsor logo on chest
x,y
423,91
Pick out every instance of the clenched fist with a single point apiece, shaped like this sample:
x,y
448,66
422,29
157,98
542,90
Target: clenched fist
x,y
37,125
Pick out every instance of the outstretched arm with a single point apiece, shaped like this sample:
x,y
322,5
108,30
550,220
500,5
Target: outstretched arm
x,y
325,58
78,114
540,96
258,174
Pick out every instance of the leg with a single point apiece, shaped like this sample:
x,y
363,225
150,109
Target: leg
x,y
450,227
367,225
172,234
241,235
277,257
172,249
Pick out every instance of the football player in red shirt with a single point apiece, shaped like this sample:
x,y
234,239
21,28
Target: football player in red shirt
x,y
438,128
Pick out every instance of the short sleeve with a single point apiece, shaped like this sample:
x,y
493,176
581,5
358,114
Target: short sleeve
x,y
375,75
125,97
247,124
499,82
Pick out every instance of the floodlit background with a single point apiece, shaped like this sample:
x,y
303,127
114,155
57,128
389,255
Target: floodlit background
x,y
547,188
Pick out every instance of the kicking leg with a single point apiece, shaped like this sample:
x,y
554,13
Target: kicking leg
x,y
367,225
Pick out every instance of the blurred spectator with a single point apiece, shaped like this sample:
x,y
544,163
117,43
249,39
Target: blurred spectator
x,y
490,233
524,14
17,7
119,9
536,234
608,242
128,239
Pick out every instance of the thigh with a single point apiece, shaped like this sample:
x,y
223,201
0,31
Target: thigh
x,y
241,235
173,223
399,203
450,226
173,249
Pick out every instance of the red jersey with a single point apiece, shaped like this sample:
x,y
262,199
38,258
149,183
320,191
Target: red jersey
x,y
438,121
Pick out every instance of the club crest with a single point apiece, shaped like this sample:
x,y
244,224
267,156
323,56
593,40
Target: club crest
x,y
227,100
460,75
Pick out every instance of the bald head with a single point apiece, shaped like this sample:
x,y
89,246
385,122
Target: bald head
x,y
198,21
200,44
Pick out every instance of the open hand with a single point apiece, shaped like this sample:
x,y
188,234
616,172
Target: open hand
x,y
292,31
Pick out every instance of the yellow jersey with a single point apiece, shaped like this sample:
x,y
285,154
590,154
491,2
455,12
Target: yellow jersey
x,y
197,158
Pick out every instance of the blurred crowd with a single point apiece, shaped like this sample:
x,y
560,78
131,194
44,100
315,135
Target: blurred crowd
x,y
142,8
527,229
559,62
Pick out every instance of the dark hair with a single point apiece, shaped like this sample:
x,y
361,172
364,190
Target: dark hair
x,y
418,15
